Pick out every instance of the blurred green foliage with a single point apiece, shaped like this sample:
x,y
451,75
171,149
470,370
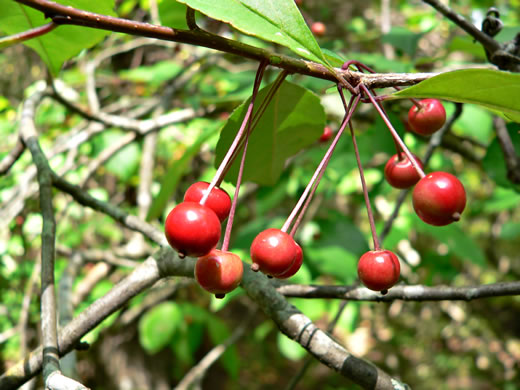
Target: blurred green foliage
x,y
430,345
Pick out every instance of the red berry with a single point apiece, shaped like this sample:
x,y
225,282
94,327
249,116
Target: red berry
x,y
319,29
401,173
192,229
379,270
219,272
273,252
327,134
429,118
298,2
439,198
298,261
218,201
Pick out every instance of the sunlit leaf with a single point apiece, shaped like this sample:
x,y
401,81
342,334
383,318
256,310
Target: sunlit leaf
x,y
57,46
276,21
496,90
293,120
157,326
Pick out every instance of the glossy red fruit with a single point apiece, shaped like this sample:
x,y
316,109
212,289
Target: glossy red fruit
x,y
439,198
429,118
327,134
319,29
273,252
218,201
379,270
295,267
192,229
401,173
219,272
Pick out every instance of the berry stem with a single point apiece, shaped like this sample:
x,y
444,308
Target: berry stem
x,y
377,245
221,169
256,118
396,143
322,165
229,225
308,200
394,132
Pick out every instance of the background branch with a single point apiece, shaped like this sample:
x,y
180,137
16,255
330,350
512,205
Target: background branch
x,y
402,292
52,376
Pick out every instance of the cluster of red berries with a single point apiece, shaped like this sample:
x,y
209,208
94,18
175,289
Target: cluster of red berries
x,y
193,227
438,198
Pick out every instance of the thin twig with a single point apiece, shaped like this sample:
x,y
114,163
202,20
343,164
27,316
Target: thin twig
x,y
13,156
322,165
511,157
197,372
489,43
130,221
504,56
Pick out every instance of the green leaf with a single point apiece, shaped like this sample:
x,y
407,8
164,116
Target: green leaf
x,y
289,348
218,333
338,230
157,326
154,74
380,63
276,21
332,260
174,174
468,45
458,241
496,90
172,14
475,122
510,231
403,39
63,42
126,161
502,199
293,120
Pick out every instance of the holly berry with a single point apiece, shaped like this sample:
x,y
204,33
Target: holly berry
x,y
295,267
439,198
218,200
319,29
219,272
429,118
379,270
273,252
192,229
327,134
401,173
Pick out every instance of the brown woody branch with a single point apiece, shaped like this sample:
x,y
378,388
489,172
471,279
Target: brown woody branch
x,y
63,15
